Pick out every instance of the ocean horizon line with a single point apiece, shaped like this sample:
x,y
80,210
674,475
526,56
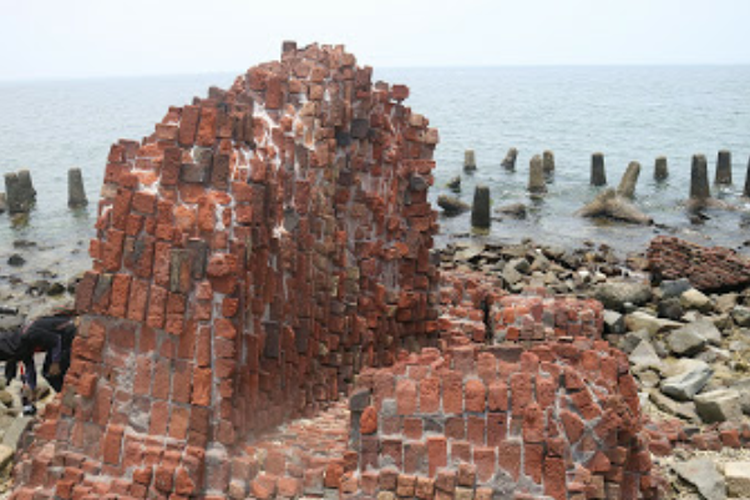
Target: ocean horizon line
x,y
181,74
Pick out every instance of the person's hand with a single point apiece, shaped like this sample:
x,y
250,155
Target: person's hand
x,y
54,369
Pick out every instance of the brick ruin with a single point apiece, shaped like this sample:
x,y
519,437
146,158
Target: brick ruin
x,y
266,251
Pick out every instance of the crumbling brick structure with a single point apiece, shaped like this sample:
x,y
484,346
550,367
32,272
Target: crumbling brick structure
x,y
252,254
267,250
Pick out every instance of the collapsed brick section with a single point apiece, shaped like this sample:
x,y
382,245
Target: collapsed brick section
x,y
537,319
252,254
708,269
560,419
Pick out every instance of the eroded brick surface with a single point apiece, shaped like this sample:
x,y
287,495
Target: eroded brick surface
x,y
708,269
252,254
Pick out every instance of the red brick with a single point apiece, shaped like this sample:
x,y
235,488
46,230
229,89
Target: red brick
x,y
453,397
498,396
112,445
368,421
429,395
475,429
533,455
437,452
406,397
521,391
554,478
533,424
475,396
509,457
573,426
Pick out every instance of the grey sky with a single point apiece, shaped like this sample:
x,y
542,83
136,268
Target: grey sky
x,y
81,38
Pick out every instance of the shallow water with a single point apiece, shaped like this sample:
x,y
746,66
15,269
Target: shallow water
x,y
629,113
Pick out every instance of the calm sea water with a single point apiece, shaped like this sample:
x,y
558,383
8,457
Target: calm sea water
x,y
628,113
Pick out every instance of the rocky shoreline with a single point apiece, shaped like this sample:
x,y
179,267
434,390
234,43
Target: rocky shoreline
x,y
689,350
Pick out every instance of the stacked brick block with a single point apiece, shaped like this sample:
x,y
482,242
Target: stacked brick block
x,y
560,420
252,254
708,269
538,319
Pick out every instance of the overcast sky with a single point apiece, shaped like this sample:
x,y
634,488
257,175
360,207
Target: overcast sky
x,y
83,38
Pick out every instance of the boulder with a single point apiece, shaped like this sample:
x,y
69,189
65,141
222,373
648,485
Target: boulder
x,y
674,288
719,406
615,294
695,299
670,308
640,320
704,475
630,340
684,410
614,322
741,316
743,387
685,341
454,184
514,210
644,356
452,206
684,386
737,477
610,205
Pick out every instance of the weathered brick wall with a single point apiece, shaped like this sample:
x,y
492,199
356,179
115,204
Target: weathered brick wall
x,y
252,254
560,419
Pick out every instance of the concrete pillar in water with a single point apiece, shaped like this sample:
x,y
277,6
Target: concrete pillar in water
x,y
626,189
746,191
509,162
17,194
548,161
598,175
27,187
699,189
480,209
660,168
724,167
537,182
470,161
76,193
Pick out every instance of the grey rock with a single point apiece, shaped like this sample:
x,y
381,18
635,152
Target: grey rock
x,y
719,406
614,294
648,378
16,431
452,206
644,356
737,476
684,386
630,340
683,410
614,322
16,260
695,299
741,316
520,264
704,475
726,302
514,210
674,288
640,320
686,342
743,387
670,308
455,184
6,455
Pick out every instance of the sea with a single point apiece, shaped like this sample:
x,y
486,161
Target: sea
x,y
625,112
